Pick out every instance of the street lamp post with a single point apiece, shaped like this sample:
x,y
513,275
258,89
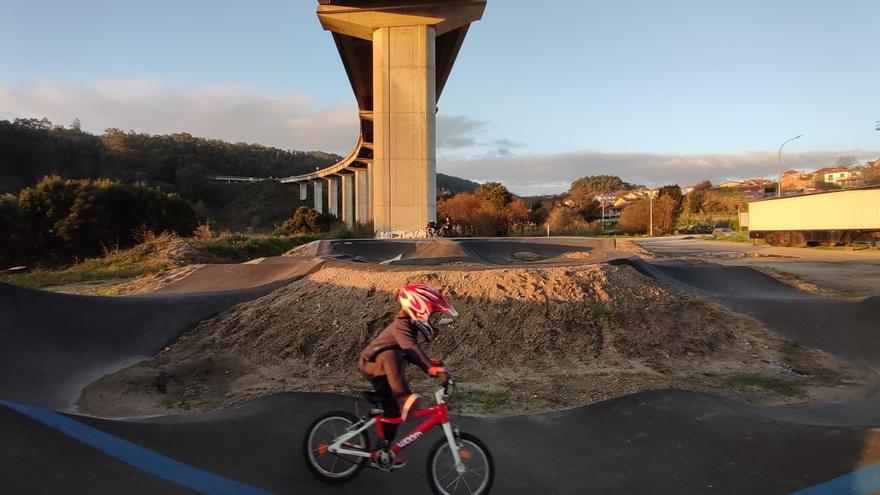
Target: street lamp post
x,y
779,166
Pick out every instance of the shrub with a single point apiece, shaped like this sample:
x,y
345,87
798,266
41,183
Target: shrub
x,y
306,221
62,220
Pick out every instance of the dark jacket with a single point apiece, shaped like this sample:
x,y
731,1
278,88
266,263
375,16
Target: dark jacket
x,y
401,335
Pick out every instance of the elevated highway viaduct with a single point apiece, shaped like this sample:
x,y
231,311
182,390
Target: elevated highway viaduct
x,y
398,55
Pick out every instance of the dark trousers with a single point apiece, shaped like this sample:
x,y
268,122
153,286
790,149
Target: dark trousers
x,y
385,373
390,405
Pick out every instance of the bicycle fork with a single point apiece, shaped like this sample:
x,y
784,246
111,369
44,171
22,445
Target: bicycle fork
x,y
453,446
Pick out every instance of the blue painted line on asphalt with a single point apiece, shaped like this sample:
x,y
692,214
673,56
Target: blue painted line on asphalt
x,y
865,481
137,456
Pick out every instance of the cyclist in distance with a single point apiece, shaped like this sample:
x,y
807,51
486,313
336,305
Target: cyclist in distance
x,y
423,311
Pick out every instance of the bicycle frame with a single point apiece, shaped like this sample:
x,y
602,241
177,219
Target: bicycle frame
x,y
437,415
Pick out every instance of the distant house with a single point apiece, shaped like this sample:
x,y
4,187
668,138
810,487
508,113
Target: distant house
x,y
619,202
730,184
751,188
634,195
820,174
612,213
844,177
797,180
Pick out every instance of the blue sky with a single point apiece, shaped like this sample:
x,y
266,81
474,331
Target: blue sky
x,y
542,93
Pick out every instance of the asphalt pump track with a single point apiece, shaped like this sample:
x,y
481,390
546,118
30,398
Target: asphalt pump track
x,y
654,442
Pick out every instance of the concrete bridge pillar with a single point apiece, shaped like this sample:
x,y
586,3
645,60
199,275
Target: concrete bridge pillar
x,y
347,182
333,195
303,191
414,44
319,195
362,196
404,102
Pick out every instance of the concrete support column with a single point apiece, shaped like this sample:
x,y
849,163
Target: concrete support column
x,y
303,191
404,194
319,195
362,196
333,195
348,199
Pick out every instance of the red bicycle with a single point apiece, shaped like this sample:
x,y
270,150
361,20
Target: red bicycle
x,y
336,447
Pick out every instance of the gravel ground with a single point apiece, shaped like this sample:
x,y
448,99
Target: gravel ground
x,y
528,340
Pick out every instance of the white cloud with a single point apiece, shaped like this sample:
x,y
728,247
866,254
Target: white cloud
x,y
457,134
229,112
553,173
292,120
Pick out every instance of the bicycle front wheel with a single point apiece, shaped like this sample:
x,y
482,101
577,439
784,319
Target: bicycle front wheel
x,y
325,465
479,469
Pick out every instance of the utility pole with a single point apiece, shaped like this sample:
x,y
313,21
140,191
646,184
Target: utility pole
x,y
651,211
779,164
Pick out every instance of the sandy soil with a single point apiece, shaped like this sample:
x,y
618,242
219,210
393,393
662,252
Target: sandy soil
x,y
528,340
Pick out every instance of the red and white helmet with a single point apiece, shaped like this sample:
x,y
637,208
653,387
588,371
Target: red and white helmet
x,y
420,301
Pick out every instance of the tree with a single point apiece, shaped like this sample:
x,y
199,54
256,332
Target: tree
x,y
703,186
538,213
673,191
636,218
591,212
584,190
693,202
516,213
494,193
871,175
563,221
306,221
192,181
73,219
846,161
480,217
16,232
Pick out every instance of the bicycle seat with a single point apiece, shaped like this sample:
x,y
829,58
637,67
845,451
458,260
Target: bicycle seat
x,y
372,397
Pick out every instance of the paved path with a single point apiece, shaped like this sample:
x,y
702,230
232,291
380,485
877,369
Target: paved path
x,y
656,442
842,272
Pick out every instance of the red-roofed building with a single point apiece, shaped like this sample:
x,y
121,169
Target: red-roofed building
x,y
797,180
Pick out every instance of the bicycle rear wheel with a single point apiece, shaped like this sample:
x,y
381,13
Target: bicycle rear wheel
x,y
325,465
479,468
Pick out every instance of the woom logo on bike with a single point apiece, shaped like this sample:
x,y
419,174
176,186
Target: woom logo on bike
x,y
410,439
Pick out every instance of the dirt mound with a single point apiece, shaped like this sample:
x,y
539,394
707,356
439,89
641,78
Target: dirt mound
x,y
529,339
307,250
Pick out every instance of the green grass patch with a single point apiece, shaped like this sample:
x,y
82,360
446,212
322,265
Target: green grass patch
x,y
788,388
237,248
119,264
731,238
149,257
482,401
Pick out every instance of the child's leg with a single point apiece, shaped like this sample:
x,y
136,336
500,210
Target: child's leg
x,y
390,405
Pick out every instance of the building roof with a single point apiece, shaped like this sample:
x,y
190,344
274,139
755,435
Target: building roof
x,y
828,170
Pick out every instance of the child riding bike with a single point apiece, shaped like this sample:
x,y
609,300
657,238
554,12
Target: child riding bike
x,y
423,311
336,447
